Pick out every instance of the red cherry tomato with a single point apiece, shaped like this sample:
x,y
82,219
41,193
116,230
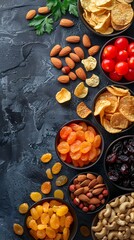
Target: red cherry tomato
x,y
121,43
121,68
130,75
131,49
110,51
122,55
108,65
131,62
114,76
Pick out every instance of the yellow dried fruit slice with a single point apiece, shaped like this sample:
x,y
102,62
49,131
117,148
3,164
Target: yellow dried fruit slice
x,y
35,196
59,194
45,158
18,229
56,168
49,173
23,208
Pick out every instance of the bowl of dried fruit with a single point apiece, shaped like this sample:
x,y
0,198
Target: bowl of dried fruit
x,y
113,108
79,144
119,162
88,192
106,18
115,220
51,218
116,60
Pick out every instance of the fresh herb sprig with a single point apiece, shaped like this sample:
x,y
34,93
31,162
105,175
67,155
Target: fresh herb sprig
x,y
58,8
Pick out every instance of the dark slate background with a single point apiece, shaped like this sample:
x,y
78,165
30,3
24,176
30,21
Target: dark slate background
x,y
29,114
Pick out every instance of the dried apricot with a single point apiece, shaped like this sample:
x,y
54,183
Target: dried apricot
x,y
23,208
56,168
76,155
92,153
49,173
46,187
83,125
75,127
89,136
63,157
97,141
18,229
61,180
45,158
71,138
63,147
85,156
80,135
75,147
35,196
58,194
65,131
85,147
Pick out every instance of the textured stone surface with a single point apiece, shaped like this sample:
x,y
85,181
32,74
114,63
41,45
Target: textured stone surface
x,y
29,115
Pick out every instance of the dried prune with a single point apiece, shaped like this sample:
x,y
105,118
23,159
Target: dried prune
x,y
123,158
124,169
113,175
111,158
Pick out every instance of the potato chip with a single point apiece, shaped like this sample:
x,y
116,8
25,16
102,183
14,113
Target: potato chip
x,y
93,81
87,17
103,21
117,91
108,116
122,14
82,110
126,107
81,90
100,105
117,120
101,116
63,95
102,3
112,99
109,30
106,124
89,63
119,28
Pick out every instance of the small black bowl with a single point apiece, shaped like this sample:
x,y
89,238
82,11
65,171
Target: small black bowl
x,y
74,225
57,140
97,118
77,208
118,148
123,81
115,33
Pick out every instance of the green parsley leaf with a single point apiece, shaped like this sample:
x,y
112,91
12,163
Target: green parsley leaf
x,y
73,10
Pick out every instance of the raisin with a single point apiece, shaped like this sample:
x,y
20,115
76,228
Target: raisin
x,y
61,180
56,168
18,229
46,187
58,194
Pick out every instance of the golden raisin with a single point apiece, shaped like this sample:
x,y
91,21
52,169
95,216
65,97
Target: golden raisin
x,y
61,180
84,230
18,229
23,208
49,173
45,158
46,187
58,194
35,196
56,168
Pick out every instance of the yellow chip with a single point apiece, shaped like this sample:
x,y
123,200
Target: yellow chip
x,y
89,63
106,124
63,95
104,23
102,3
81,90
101,116
100,105
108,116
117,91
112,99
117,120
126,107
119,28
122,14
108,6
87,17
93,81
82,110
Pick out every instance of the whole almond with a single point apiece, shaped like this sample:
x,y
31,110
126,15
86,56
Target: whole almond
x,y
43,10
78,191
55,50
66,70
30,14
79,51
99,185
94,201
84,198
63,79
86,41
73,39
65,51
100,179
92,183
91,176
74,57
81,177
56,62
85,182
81,73
72,76
93,50
86,190
64,22
70,62
97,191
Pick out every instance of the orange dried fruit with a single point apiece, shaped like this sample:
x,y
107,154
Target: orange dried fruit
x,y
71,138
18,229
23,208
33,225
35,196
75,147
89,136
45,206
49,173
45,158
58,194
45,218
80,135
68,221
97,141
83,125
63,147
41,234
76,155
50,232
92,153
54,221
75,127
65,131
34,214
56,168
46,187
85,147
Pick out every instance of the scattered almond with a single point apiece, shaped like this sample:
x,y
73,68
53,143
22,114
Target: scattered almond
x,y
65,51
86,41
80,73
56,62
55,50
79,51
43,10
66,69
30,14
64,22
74,57
63,79
93,50
72,76
70,62
73,39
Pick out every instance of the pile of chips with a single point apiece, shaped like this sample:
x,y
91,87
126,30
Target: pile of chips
x,y
105,16
115,107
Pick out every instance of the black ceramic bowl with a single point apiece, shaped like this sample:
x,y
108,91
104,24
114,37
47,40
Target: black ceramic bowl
x,y
96,219
119,163
74,225
97,118
77,185
115,33
123,80
70,164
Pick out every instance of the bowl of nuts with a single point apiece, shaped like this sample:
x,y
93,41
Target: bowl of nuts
x,y
115,220
79,144
88,192
113,108
44,220
119,162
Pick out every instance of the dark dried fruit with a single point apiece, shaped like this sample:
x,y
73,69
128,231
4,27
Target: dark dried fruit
x,y
61,180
